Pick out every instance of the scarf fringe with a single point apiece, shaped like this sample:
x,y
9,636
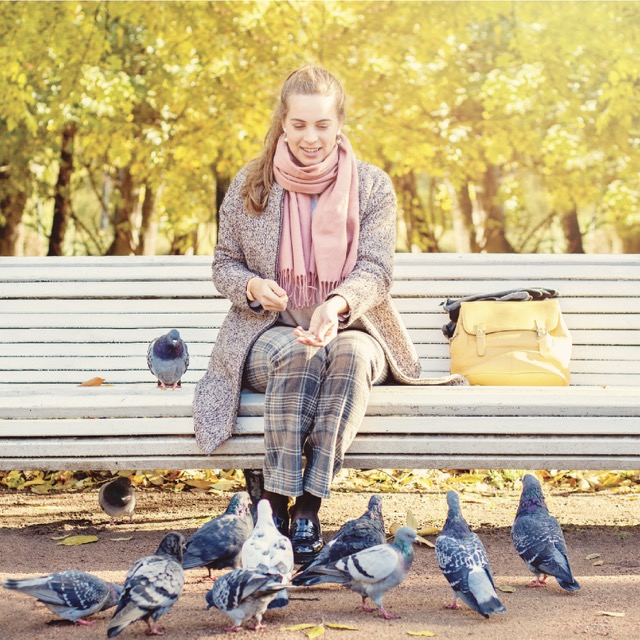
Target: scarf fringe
x,y
305,291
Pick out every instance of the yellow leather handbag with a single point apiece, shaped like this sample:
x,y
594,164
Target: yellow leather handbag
x,y
511,343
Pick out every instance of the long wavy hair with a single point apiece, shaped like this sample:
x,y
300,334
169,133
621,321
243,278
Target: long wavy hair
x,y
307,80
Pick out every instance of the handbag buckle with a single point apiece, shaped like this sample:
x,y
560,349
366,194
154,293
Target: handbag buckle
x,y
481,331
543,338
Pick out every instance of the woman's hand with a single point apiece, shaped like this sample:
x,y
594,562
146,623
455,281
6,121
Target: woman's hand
x,y
324,323
268,293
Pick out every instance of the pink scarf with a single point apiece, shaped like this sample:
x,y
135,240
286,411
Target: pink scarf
x,y
317,251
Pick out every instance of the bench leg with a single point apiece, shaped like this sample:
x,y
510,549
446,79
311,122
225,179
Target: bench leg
x,y
254,480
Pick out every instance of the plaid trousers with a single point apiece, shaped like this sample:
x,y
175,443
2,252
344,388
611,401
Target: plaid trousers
x,y
315,400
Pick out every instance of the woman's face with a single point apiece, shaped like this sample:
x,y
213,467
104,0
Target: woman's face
x,y
311,126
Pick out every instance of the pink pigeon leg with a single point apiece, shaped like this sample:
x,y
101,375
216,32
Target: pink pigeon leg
x,y
364,607
154,629
538,582
453,605
387,615
87,623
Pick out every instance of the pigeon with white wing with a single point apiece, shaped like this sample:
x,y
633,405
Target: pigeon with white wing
x,y
244,595
373,571
71,595
354,535
464,563
268,551
151,588
539,540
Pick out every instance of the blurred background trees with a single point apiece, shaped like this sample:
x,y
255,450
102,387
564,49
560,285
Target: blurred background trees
x,y
506,126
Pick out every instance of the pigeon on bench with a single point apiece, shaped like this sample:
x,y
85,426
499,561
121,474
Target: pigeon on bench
x,y
168,359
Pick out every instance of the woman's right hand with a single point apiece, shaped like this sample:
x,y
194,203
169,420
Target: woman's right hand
x,y
268,293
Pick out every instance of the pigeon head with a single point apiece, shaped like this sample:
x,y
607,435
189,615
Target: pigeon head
x,y
405,536
265,512
455,520
171,545
169,346
114,595
374,510
240,504
532,498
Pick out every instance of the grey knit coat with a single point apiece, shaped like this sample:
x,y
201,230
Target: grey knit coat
x,y
248,246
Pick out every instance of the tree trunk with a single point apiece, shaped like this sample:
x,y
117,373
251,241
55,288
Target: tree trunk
x,y
12,206
62,198
571,230
147,244
124,243
494,236
463,226
419,229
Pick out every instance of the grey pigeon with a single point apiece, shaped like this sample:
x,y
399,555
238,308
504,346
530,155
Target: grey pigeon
x,y
117,498
151,587
538,538
268,551
373,571
354,535
218,542
168,359
464,563
72,595
244,595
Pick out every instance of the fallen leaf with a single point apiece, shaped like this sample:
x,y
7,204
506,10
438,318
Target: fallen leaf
x,y
76,540
411,520
340,626
429,531
121,539
598,563
426,542
425,634
393,528
316,632
593,556
94,382
298,627
612,614
62,537
505,588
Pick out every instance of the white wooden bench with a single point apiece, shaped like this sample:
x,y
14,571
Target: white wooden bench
x,y
66,320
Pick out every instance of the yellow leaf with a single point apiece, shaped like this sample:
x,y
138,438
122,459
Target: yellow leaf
x,y
94,382
429,531
598,563
593,556
76,540
199,484
425,634
316,632
298,627
411,520
426,542
393,528
224,485
66,535
340,626
121,539
505,588
41,488
612,614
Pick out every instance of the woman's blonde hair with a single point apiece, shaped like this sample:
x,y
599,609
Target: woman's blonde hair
x,y
308,80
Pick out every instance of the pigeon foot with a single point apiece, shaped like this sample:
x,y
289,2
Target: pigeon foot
x,y
87,623
364,606
257,626
537,583
452,605
154,629
387,615
233,627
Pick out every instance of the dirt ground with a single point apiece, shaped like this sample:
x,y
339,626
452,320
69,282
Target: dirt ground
x,y
606,524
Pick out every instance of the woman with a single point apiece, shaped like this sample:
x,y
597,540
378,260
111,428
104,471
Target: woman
x,y
305,254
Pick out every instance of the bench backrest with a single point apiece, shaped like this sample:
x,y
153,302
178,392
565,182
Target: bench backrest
x,y
65,320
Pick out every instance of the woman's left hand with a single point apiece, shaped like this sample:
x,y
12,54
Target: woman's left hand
x,y
324,323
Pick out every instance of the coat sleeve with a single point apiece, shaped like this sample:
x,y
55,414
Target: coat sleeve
x,y
230,271
370,281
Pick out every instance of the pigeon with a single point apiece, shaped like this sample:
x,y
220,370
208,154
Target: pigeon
x,y
538,538
268,551
72,595
355,535
244,594
464,563
117,498
218,542
151,587
168,359
373,571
